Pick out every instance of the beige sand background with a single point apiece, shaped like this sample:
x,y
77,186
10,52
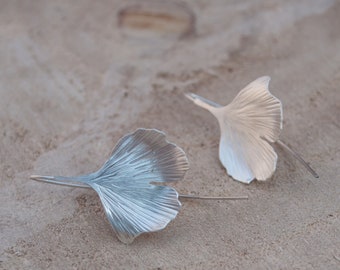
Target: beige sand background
x,y
77,75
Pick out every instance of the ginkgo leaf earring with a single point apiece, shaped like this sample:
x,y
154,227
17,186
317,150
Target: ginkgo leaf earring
x,y
132,204
249,124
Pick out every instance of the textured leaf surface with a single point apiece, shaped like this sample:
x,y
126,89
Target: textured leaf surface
x,y
248,124
133,205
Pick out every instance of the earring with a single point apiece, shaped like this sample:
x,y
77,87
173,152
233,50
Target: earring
x,y
133,205
248,125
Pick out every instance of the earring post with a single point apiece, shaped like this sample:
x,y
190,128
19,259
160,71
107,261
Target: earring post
x,y
67,181
212,198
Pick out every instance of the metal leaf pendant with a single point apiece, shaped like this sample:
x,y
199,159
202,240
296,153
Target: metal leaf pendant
x,y
132,204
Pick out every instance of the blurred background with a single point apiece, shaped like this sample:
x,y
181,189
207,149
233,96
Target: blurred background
x,y
77,75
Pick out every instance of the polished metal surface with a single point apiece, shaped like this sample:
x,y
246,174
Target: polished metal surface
x,y
134,205
248,125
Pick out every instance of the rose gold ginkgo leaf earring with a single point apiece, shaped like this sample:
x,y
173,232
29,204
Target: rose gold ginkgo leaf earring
x,y
248,125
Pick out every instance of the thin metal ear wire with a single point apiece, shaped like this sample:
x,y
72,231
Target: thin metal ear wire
x,y
70,182
132,204
298,157
248,125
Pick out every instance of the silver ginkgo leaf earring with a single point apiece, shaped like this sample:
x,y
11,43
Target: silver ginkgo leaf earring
x,y
132,204
249,124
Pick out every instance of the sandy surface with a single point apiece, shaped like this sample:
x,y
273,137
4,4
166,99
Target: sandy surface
x,y
76,77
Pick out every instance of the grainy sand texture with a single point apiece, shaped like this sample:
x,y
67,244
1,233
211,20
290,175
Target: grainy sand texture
x,y
75,76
